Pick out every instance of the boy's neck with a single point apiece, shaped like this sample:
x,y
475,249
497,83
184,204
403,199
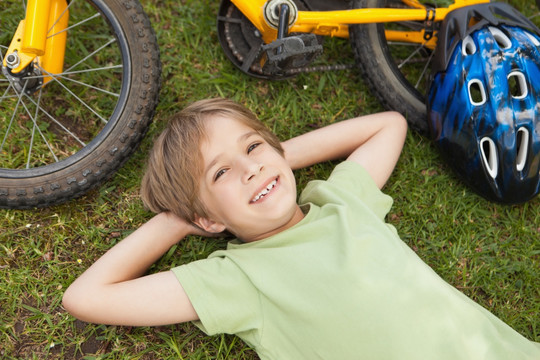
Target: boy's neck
x,y
295,219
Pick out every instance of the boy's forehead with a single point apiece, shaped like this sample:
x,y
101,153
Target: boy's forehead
x,y
222,133
227,128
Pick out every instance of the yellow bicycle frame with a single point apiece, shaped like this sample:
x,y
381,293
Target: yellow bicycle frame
x,y
42,35
336,23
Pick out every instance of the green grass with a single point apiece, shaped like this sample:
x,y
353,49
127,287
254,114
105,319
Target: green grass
x,y
490,252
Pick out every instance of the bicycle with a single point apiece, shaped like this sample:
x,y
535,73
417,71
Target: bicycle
x,y
79,86
77,99
393,42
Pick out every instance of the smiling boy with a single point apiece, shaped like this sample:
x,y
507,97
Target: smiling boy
x,y
243,173
324,278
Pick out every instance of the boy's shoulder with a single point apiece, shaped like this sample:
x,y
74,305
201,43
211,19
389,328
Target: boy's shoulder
x,y
349,184
346,176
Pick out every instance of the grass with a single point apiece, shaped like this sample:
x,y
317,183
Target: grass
x,y
490,252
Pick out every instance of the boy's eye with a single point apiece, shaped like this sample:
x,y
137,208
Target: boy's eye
x,y
252,147
219,173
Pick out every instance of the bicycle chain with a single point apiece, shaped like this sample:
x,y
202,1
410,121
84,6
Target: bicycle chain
x,y
254,67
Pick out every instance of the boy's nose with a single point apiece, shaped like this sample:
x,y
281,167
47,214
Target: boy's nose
x,y
251,169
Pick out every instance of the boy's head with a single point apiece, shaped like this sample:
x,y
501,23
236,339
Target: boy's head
x,y
175,165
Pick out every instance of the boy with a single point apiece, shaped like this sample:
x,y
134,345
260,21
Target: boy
x,y
326,279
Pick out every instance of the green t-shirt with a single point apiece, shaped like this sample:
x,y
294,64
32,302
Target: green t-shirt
x,y
341,284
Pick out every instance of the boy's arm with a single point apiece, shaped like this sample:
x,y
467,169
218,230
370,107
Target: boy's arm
x,y
374,141
112,290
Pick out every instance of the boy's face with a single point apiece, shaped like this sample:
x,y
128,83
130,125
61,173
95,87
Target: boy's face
x,y
247,187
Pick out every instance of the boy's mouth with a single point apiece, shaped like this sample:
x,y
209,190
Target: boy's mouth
x,y
265,190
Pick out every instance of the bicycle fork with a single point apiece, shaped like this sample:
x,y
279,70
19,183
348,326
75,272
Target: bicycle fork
x,y
42,35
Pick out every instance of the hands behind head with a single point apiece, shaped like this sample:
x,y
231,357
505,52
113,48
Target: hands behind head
x,y
200,232
191,228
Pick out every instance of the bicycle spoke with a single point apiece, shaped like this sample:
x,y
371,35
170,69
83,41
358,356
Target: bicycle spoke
x,y
89,86
406,61
2,52
19,98
425,70
35,126
33,132
81,101
53,119
40,133
91,54
60,16
75,25
93,69
4,96
8,96
62,76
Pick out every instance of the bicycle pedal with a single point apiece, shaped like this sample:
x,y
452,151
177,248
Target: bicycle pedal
x,y
290,53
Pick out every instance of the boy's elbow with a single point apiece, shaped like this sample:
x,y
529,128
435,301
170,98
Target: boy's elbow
x,y
69,301
399,126
75,302
399,122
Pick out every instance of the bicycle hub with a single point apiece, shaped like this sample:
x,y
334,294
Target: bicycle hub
x,y
13,60
29,80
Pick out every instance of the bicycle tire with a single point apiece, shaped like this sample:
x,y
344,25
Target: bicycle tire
x,y
72,141
379,68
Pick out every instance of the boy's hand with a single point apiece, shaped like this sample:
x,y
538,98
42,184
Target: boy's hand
x,y
195,230
190,228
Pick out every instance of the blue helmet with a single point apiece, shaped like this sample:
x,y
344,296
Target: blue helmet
x,y
484,103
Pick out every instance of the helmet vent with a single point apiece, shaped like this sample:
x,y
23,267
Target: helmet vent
x,y
533,39
489,156
522,140
477,93
517,85
468,47
502,40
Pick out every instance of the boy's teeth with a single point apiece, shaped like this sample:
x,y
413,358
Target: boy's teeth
x,y
265,191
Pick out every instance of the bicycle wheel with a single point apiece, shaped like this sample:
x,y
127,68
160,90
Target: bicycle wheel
x,y
396,73
64,137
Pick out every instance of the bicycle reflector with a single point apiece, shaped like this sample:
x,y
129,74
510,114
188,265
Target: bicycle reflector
x,y
484,101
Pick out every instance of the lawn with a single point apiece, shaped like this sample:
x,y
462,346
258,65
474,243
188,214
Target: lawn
x,y
488,251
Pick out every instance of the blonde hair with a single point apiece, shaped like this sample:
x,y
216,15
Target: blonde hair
x,y
175,164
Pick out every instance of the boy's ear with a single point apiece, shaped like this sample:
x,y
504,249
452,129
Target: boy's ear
x,y
208,225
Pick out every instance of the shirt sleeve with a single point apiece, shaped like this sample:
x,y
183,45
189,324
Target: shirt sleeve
x,y
348,184
222,295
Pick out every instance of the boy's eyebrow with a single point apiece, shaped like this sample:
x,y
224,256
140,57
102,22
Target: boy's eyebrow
x,y
241,138
247,135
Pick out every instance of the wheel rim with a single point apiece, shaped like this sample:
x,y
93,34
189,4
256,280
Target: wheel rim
x,y
412,62
61,122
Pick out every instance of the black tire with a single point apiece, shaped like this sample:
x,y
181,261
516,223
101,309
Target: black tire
x,y
377,62
69,144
